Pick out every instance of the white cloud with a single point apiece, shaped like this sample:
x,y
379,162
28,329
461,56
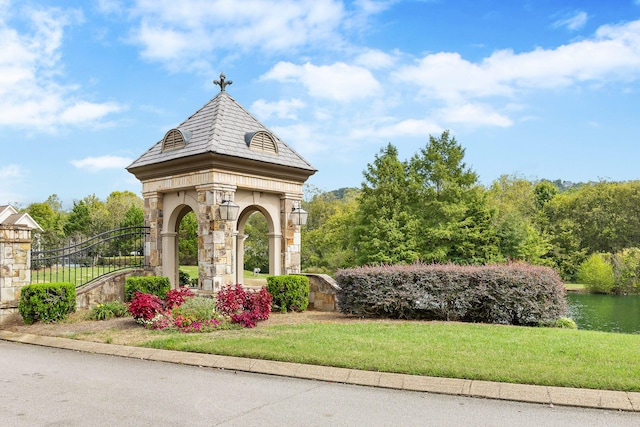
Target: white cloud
x,y
29,65
283,109
95,164
172,30
375,59
304,138
10,172
574,22
612,53
83,112
395,129
110,7
12,177
474,114
338,82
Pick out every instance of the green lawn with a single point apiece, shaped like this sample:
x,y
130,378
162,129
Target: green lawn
x,y
192,271
575,287
544,356
77,276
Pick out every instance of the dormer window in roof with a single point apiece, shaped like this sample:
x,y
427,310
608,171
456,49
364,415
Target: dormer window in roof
x,y
261,141
175,139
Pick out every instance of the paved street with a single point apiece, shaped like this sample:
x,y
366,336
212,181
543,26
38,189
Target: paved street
x,y
41,386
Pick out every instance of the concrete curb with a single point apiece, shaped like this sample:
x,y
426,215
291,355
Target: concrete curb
x,y
561,396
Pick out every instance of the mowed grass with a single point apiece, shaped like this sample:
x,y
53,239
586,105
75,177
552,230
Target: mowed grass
x,y
192,271
543,356
75,275
575,287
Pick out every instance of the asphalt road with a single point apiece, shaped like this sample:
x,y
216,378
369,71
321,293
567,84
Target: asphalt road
x,y
42,386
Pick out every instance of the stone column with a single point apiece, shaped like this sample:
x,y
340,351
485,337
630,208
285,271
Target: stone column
x,y
15,267
153,218
291,242
216,241
170,257
275,254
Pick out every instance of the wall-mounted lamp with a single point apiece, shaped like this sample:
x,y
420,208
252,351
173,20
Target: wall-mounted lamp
x,y
298,215
228,209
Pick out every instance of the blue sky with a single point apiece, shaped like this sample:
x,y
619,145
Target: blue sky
x,y
541,88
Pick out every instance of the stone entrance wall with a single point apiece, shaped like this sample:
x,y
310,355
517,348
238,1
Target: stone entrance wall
x,y
15,268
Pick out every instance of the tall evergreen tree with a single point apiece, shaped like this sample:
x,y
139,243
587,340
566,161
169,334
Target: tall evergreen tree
x,y
455,218
386,230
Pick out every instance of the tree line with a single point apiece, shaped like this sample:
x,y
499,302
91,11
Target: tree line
x,y
432,208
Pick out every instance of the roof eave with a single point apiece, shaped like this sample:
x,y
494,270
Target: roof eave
x,y
220,162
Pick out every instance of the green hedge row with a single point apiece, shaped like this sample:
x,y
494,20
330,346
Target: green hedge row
x,y
289,292
47,302
155,285
517,294
122,261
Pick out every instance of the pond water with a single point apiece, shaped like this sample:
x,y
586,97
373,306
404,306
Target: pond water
x,y
608,313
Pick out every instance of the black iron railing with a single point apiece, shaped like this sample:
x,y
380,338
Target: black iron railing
x,y
84,260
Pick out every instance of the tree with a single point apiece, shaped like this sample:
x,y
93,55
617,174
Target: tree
x,y
385,232
544,191
50,217
597,274
133,217
119,203
326,243
78,220
518,218
453,213
256,247
188,240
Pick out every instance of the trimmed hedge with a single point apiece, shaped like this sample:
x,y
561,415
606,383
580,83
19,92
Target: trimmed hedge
x,y
47,302
155,285
289,292
122,261
516,294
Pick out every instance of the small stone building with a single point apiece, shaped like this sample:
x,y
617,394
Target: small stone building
x,y
219,160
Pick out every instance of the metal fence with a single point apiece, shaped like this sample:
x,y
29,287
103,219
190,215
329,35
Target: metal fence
x,y
84,260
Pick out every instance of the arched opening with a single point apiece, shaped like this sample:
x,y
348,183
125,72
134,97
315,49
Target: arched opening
x,y
188,250
179,228
255,247
256,250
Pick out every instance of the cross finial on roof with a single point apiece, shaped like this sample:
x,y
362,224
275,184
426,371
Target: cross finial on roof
x,y
222,83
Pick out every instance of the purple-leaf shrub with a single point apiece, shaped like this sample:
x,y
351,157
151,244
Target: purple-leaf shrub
x,y
518,294
244,308
145,306
175,297
231,299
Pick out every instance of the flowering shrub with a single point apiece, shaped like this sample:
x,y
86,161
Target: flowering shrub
x,y
182,311
145,306
244,308
197,308
175,297
259,304
166,322
231,299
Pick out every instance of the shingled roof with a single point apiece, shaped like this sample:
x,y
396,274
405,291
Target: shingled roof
x,y
218,135
10,216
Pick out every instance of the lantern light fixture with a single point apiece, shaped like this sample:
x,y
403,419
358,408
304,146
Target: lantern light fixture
x,y
298,215
228,209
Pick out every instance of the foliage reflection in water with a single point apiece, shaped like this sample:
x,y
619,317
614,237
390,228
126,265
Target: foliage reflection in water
x,y
608,313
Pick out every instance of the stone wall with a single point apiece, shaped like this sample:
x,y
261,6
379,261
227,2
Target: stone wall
x,y
322,292
106,289
15,268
